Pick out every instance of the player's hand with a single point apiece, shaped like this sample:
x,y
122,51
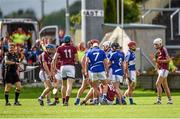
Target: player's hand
x,y
17,63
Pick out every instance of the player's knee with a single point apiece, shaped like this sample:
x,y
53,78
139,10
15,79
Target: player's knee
x,y
157,84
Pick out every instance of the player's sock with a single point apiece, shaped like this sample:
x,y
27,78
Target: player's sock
x,y
131,100
6,95
95,101
77,101
158,99
67,99
170,101
117,101
56,99
63,100
104,96
17,92
48,101
123,100
40,98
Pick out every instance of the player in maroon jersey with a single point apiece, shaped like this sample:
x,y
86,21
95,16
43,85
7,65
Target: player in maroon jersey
x,y
162,60
68,56
45,73
111,93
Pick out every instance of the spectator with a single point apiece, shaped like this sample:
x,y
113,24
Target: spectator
x,y
61,36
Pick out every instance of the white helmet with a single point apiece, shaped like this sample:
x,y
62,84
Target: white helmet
x,y
157,41
107,44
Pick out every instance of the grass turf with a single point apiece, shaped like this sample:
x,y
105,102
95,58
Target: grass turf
x,y
144,109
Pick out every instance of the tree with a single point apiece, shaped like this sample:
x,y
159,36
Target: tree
x,y
110,11
131,11
29,13
58,17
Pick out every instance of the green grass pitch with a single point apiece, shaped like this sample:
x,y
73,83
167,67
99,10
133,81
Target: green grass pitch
x,y
144,109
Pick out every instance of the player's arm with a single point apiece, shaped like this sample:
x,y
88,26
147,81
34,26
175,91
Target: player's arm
x,y
106,65
126,72
54,62
86,66
83,64
46,68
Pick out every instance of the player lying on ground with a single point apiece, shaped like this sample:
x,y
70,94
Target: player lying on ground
x,y
111,94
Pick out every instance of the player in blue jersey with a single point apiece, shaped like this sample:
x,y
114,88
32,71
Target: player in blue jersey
x,y
130,71
116,62
97,60
86,80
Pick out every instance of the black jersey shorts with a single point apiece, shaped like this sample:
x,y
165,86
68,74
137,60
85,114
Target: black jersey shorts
x,y
11,77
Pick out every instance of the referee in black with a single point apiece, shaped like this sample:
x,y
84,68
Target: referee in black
x,y
10,74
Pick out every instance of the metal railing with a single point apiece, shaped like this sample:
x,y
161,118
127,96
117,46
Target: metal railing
x,y
172,23
174,10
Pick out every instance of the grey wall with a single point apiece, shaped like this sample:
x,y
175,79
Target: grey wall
x,y
148,81
92,25
144,35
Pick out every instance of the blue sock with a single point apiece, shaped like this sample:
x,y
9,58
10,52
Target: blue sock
x,y
131,100
117,100
95,100
77,101
123,99
104,96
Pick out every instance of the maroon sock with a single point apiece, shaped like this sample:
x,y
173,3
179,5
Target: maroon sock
x,y
63,100
67,99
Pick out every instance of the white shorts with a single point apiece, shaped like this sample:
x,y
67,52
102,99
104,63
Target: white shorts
x,y
132,76
58,75
117,78
43,76
67,71
102,102
163,73
98,76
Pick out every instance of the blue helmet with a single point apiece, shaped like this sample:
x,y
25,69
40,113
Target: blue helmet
x,y
67,39
50,46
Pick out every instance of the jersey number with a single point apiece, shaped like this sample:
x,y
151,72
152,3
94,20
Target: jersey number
x,y
96,55
67,53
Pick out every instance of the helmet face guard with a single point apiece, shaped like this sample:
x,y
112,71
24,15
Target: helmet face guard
x,y
157,43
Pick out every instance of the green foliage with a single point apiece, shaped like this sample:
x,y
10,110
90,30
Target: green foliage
x,y
29,13
131,11
75,19
55,18
110,11
58,17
